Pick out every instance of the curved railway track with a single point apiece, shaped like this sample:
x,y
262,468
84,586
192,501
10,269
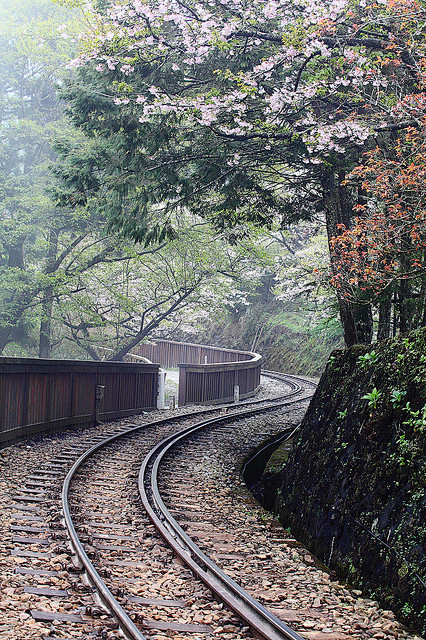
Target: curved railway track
x,y
127,581
258,618
246,608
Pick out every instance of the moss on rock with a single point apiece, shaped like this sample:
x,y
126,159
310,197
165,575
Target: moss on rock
x,y
353,488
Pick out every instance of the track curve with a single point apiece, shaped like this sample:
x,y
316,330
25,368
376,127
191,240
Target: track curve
x,y
258,618
48,596
246,607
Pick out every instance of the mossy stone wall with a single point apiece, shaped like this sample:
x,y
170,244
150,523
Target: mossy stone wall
x,y
353,488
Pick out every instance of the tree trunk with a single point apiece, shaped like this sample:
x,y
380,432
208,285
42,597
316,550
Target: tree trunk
x,y
345,209
334,217
385,312
6,336
44,347
395,320
15,301
363,317
15,252
421,304
12,315
348,322
405,304
149,328
356,318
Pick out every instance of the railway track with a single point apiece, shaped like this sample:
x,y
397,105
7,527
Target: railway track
x,y
119,576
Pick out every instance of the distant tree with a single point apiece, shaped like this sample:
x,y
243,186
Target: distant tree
x,y
33,56
287,312
115,294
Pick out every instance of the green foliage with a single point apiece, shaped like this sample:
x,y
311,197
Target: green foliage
x,y
373,397
397,397
406,449
407,609
33,57
368,359
416,419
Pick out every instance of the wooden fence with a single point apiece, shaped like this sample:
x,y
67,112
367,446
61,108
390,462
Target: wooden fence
x,y
40,395
207,375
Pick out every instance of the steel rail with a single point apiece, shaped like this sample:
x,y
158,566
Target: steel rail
x,y
290,378
258,617
127,626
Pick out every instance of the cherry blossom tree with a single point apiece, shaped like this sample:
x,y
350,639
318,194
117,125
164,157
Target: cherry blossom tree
x,y
240,111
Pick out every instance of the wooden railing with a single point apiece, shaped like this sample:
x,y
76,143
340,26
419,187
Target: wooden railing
x,y
207,375
40,395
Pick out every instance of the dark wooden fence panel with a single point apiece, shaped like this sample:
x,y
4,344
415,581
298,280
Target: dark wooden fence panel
x,y
171,354
207,375
39,395
212,384
12,400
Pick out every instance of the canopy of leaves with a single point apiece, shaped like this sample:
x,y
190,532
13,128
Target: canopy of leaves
x,y
232,108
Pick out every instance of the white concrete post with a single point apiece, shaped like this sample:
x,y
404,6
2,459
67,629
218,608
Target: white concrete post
x,y
161,398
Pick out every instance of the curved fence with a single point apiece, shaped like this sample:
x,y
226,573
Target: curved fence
x,y
207,375
38,395
41,395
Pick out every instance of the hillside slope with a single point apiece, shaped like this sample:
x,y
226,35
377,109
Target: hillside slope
x,y
353,488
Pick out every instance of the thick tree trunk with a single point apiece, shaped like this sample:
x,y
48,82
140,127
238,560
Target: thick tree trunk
x,y
404,313
407,298
395,320
334,195
348,322
363,317
356,318
405,304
